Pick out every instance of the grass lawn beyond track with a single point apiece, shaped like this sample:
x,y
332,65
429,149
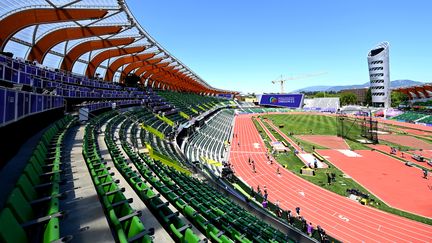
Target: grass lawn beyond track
x,y
294,164
305,124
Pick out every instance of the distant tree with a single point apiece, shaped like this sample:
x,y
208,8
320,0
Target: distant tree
x,y
369,97
398,97
320,95
131,80
348,98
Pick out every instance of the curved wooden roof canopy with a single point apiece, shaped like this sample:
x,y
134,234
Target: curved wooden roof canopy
x,y
172,73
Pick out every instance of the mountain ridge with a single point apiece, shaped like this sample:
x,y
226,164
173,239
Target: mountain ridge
x,y
393,84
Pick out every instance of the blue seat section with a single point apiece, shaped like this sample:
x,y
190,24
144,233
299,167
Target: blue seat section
x,y
2,105
62,83
15,104
47,88
107,104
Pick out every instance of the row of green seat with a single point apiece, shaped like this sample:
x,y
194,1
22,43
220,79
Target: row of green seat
x,y
161,146
207,203
143,115
209,140
123,219
188,101
177,118
231,216
196,218
32,210
409,116
426,119
176,227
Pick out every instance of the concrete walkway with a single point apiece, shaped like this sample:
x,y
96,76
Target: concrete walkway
x,y
86,220
147,217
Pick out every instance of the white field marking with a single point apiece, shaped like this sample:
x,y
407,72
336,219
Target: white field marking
x,y
309,158
256,145
343,218
349,153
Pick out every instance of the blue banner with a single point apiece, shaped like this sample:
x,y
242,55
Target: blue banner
x,y
226,96
282,100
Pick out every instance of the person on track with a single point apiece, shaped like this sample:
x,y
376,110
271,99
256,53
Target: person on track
x,y
425,173
278,171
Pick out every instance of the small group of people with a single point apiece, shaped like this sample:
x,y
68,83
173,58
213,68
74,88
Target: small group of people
x,y
358,193
315,164
306,227
259,191
227,170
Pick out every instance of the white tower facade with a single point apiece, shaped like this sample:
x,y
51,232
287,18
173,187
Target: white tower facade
x,y
379,75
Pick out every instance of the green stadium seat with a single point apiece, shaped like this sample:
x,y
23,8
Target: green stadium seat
x,y
10,229
24,213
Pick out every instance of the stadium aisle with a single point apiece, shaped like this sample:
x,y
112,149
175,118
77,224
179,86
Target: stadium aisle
x,y
85,221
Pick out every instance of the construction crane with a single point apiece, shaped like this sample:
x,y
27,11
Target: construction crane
x,y
282,80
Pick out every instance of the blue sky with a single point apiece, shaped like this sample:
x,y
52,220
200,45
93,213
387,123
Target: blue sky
x,y
243,45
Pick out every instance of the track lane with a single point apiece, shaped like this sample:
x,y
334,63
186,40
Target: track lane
x,y
318,205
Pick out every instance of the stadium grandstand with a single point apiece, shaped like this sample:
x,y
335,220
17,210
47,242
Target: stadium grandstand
x,y
322,104
108,137
95,170
419,93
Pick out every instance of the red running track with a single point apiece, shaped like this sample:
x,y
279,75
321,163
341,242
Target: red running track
x,y
406,124
406,140
416,132
407,155
327,141
425,153
339,216
391,180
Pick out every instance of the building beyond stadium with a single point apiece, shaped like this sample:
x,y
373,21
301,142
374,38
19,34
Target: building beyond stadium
x,y
379,74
